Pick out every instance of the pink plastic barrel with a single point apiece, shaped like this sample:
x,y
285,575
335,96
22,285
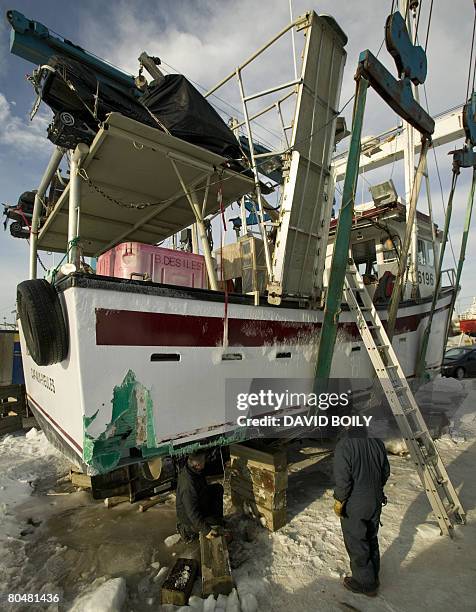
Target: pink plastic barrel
x,y
134,260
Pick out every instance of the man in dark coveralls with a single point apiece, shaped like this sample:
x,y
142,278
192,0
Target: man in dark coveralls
x,y
361,470
199,505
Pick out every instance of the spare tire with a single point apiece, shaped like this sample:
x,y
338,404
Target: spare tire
x,y
42,321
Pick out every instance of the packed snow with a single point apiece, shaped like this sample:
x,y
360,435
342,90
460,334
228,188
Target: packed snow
x,y
57,540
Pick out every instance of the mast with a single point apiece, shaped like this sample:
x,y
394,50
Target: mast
x,y
409,165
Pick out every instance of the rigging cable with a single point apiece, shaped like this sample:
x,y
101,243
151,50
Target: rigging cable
x,y
233,108
440,183
417,20
471,56
474,69
428,26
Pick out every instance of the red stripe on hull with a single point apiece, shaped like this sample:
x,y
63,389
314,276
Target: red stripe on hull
x,y
136,328
51,419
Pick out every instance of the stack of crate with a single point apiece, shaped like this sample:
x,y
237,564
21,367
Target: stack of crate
x,y
258,483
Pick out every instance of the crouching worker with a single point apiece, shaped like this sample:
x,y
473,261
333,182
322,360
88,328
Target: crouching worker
x,y
199,505
361,470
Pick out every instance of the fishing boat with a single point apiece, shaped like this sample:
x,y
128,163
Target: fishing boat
x,y
467,320
124,366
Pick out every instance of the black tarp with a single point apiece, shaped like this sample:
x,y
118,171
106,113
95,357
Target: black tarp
x,y
187,114
174,101
81,101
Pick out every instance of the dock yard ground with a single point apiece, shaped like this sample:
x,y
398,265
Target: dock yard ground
x,y
55,539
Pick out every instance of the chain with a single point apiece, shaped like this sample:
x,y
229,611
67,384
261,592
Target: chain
x,y
132,205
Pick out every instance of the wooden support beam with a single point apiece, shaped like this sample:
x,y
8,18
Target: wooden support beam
x,y
273,460
178,586
258,483
271,518
216,571
266,479
78,479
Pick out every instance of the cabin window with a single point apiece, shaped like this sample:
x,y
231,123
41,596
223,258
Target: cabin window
x,y
425,253
165,357
364,255
389,252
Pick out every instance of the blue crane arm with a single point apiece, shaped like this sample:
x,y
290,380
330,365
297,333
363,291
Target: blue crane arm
x,y
32,41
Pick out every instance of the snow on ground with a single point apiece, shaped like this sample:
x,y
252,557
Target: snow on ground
x,y
74,546
23,460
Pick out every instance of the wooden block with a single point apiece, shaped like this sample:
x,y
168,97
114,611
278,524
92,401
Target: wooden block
x,y
271,481
272,519
78,479
273,460
273,500
148,503
178,586
9,424
110,502
216,571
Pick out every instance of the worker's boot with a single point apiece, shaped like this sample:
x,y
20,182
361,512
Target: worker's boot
x,y
355,587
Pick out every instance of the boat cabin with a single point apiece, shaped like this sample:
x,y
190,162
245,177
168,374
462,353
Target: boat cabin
x,y
377,236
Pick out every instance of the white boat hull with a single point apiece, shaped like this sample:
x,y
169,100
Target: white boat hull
x,y
108,403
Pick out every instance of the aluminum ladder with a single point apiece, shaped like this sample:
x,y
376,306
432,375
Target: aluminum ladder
x,y
443,498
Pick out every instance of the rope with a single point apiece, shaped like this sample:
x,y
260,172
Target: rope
x,y
72,243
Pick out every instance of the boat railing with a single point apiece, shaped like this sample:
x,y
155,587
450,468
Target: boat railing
x,y
450,275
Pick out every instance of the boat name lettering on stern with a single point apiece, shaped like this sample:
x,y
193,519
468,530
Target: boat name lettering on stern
x,y
44,380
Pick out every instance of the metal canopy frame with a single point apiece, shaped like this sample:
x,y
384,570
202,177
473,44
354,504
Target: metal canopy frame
x,y
123,184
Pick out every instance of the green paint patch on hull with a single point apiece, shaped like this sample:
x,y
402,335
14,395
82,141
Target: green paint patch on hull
x,y
132,426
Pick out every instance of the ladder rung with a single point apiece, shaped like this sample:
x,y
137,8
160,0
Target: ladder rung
x,y
399,389
419,434
403,405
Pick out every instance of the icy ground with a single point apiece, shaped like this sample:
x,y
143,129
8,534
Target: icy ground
x,y
100,559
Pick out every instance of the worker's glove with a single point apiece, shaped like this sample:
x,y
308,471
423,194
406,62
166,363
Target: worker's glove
x,y
339,507
213,533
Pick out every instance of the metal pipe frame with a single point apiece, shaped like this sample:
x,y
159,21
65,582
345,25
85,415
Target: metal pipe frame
x,y
303,19
74,210
402,265
340,255
195,206
255,174
421,359
271,90
462,252
265,110
50,171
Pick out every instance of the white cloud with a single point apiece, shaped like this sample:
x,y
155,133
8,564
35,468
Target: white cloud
x,y
20,133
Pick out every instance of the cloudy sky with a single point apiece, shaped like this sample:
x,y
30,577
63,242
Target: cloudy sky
x,y
206,39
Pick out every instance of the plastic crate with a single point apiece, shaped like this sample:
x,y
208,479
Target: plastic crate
x,y
134,260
